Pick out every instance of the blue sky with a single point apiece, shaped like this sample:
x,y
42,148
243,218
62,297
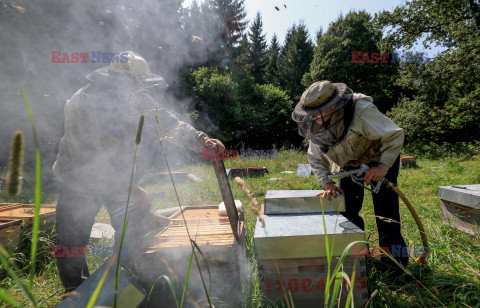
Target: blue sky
x,y
313,13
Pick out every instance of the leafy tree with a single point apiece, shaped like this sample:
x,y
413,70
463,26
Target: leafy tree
x,y
271,74
447,23
333,59
232,107
294,60
444,90
258,50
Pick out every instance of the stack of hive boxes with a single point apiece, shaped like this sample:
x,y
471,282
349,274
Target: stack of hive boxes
x,y
293,237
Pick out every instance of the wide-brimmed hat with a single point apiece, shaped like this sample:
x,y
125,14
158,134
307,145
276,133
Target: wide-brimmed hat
x,y
321,95
126,66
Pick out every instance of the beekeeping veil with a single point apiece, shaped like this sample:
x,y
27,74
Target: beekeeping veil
x,y
331,102
127,67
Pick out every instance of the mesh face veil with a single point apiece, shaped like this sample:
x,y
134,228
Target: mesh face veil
x,y
320,113
325,134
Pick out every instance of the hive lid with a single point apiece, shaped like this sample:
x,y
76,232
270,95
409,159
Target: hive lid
x,y
303,235
301,201
467,195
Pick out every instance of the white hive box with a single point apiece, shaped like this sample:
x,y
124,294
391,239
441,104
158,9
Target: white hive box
x,y
301,201
461,206
297,242
303,235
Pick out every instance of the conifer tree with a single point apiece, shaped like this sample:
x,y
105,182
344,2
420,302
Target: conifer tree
x,y
273,54
295,59
258,50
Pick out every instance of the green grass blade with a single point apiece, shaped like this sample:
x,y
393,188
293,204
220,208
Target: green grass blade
x,y
349,301
336,289
172,289
117,271
329,258
6,298
125,218
186,278
25,290
345,254
206,264
93,298
38,187
337,293
292,304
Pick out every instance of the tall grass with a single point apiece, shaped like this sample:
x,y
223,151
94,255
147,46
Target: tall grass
x,y
138,139
38,186
27,289
451,273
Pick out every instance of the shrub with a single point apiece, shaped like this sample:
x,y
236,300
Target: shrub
x,y
231,107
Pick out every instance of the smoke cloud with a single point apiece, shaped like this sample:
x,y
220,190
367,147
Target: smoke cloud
x,y
168,35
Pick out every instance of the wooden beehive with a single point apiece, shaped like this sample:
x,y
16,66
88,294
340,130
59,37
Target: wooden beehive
x,y
249,172
305,279
408,161
15,217
297,243
25,212
10,232
461,207
170,252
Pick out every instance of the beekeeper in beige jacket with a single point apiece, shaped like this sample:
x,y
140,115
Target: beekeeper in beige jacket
x,y
346,129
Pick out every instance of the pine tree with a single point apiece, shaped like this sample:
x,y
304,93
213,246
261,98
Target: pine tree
x,y
258,50
273,54
318,35
243,54
232,23
295,59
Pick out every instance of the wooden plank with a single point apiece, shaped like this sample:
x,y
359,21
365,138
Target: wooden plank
x,y
25,211
128,294
227,196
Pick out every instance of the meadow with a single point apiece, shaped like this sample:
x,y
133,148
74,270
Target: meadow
x,y
450,278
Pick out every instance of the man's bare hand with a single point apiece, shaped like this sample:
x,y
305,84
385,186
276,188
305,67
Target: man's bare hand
x,y
330,190
140,197
374,174
215,143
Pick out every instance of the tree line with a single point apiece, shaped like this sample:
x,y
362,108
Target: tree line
x,y
228,80
436,100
